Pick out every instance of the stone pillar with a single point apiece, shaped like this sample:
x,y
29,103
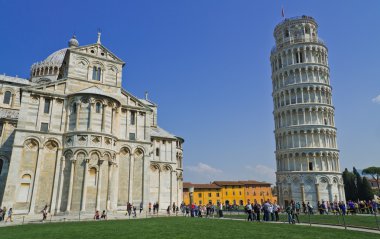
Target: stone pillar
x,y
131,165
13,100
84,188
60,187
36,179
303,192
77,116
69,197
91,109
104,117
99,185
56,180
317,191
290,191
109,186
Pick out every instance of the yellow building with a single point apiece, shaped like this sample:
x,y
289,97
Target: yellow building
x,y
228,192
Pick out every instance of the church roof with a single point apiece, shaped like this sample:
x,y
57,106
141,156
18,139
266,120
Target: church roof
x,y
93,90
14,80
161,133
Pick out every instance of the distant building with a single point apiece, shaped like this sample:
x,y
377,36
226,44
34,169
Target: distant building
x,y
373,183
228,192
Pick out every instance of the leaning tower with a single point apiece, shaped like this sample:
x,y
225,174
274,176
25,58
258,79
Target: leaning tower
x,y
307,156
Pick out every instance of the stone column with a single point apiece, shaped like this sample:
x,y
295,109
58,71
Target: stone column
x,y
69,197
84,188
303,192
36,180
131,165
77,116
99,185
290,191
104,117
56,180
91,106
109,186
61,176
317,191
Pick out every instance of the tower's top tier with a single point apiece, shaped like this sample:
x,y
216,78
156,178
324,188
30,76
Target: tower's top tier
x,y
296,30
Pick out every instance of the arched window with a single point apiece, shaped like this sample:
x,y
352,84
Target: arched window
x,y
157,152
98,107
96,73
92,177
74,110
7,97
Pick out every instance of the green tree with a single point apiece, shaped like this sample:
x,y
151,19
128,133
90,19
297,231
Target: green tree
x,y
349,185
374,172
366,190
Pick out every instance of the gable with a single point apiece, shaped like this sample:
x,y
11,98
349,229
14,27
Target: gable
x,y
130,100
98,51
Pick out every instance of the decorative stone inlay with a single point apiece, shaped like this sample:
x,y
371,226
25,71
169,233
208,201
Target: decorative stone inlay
x,y
82,139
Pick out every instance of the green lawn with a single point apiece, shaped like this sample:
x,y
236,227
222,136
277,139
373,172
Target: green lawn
x,y
351,220
174,227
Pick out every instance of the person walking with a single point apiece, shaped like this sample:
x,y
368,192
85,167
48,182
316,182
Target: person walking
x,y
44,213
276,208
248,208
104,215
10,215
141,207
150,207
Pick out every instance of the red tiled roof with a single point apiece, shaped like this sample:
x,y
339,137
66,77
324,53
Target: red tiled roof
x,y
200,185
228,183
254,182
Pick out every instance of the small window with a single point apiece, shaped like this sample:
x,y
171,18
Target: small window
x,y
226,193
233,193
132,136
7,97
310,166
96,73
157,152
325,121
209,194
240,193
200,202
74,109
44,127
199,194
133,117
217,194
98,107
286,33
47,106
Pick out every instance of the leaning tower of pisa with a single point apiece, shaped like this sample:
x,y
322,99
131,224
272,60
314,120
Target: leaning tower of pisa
x,y
306,149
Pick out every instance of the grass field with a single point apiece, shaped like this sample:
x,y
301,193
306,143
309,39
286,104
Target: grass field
x,y
174,227
351,220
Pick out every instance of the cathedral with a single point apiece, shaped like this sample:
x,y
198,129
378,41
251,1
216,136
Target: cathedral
x,y
73,139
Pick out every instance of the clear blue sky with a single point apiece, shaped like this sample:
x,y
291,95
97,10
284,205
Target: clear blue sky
x,y
206,64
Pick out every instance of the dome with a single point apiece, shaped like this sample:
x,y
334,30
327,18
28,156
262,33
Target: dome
x,y
73,42
55,58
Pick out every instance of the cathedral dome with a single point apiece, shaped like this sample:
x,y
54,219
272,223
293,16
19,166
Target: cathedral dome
x,y
50,67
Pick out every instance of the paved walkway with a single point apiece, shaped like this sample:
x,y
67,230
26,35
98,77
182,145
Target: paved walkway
x,y
316,225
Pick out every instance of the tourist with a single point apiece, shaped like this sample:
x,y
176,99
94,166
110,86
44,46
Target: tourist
x,y
141,207
104,215
304,209
96,216
44,213
168,210
276,209
271,212
150,207
288,211
187,210
295,212
10,215
310,208
248,208
129,209
173,207
257,209
266,211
